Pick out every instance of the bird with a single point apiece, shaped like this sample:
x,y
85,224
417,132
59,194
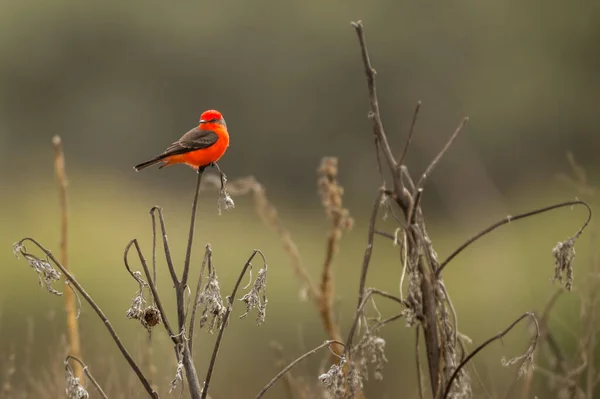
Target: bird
x,y
200,147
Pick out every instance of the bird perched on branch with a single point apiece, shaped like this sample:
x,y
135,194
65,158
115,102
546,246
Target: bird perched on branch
x,y
198,148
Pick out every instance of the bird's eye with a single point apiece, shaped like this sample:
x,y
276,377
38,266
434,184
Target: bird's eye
x,y
213,120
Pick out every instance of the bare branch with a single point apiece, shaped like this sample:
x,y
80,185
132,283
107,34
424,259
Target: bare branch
x,y
374,113
369,249
498,336
509,219
410,134
167,249
439,156
188,252
294,363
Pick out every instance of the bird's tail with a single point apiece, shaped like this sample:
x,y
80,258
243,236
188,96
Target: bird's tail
x,y
148,163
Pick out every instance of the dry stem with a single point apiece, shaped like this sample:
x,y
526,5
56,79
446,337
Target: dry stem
x,y
73,341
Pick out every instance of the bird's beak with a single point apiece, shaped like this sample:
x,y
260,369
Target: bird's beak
x,y
203,121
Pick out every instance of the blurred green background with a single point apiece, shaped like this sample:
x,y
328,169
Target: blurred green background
x,y
119,81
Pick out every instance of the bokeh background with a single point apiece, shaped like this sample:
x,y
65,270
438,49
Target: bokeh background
x,y
118,81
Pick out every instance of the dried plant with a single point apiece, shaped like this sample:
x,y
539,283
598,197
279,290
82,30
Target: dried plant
x,y
153,314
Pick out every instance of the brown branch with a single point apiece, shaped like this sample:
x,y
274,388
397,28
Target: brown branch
x,y
294,363
89,375
509,219
439,156
410,134
73,341
188,252
166,247
496,337
369,249
230,300
374,104
100,314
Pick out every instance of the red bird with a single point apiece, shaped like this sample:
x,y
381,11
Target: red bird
x,y
198,148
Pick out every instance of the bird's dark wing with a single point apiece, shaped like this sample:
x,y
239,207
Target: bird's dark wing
x,y
195,139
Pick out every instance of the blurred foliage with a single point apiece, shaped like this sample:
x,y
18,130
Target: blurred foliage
x,y
121,80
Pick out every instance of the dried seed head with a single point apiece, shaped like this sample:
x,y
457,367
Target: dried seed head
x,y
137,307
526,359
178,373
224,201
47,274
257,297
331,193
564,253
211,298
150,317
370,349
73,388
333,379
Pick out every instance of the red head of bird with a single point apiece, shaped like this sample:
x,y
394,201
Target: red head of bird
x,y
211,116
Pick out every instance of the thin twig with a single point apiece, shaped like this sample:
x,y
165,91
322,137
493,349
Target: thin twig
x,y
188,252
100,314
369,249
73,341
207,259
294,363
230,300
509,219
410,134
498,336
166,247
374,114
439,156
88,374
153,216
